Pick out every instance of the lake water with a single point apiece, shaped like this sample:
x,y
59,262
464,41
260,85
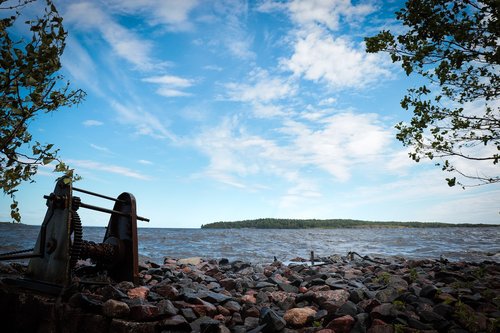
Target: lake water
x,y
261,245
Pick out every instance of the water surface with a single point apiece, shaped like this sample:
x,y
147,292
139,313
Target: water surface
x,y
262,245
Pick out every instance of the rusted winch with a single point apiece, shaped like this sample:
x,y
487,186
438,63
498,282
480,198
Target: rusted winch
x,y
60,242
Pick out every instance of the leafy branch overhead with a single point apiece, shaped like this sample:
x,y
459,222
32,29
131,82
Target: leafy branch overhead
x,y
29,86
456,117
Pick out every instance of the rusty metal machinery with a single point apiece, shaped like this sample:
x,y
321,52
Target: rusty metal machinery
x,y
60,243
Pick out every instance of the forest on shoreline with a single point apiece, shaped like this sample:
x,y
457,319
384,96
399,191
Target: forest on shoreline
x,y
276,223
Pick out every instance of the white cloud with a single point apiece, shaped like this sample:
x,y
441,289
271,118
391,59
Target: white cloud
x,y
173,14
169,92
327,12
92,122
336,62
298,194
125,43
261,88
145,123
145,162
229,16
100,148
169,85
342,142
267,110
327,101
79,63
98,166
169,80
336,146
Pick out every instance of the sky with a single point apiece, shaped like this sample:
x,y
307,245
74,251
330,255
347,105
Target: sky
x,y
229,110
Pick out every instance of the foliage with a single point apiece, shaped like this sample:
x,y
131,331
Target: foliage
x,y
272,223
29,86
454,46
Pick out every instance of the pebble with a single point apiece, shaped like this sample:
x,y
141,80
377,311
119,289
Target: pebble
x,y
342,295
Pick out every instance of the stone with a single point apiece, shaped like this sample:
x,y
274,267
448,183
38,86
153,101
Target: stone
x,y
264,284
342,324
165,307
272,321
215,297
384,311
177,323
361,323
232,306
248,299
125,285
139,292
228,283
380,327
299,316
111,292
189,261
368,304
428,291
205,325
337,296
289,288
348,308
166,290
251,322
188,313
115,309
122,326
144,312
416,324
387,295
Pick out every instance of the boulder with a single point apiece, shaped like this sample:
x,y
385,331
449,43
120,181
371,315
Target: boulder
x,y
299,317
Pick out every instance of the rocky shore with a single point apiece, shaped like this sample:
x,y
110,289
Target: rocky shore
x,y
341,294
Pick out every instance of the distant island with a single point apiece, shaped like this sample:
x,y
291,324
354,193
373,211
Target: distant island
x,y
275,223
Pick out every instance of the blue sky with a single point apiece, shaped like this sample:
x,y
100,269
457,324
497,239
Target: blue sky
x,y
228,110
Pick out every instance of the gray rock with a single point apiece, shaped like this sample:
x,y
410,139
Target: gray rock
x,y
115,309
188,313
387,295
428,291
177,323
272,321
232,306
251,322
384,312
289,288
348,308
165,307
214,297
205,325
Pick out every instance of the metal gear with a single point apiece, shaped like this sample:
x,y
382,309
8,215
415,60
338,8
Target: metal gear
x,y
76,246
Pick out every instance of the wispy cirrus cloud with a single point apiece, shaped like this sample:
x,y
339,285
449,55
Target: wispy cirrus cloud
x,y
92,122
262,90
335,145
261,87
169,85
100,148
115,169
144,122
172,14
125,43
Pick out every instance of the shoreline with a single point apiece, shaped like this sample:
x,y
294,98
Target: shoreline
x,y
344,294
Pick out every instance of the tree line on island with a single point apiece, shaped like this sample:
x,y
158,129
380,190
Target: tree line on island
x,y
276,223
